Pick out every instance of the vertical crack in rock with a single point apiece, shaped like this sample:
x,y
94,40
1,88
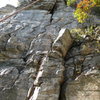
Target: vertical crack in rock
x,y
52,11
81,74
50,75
62,89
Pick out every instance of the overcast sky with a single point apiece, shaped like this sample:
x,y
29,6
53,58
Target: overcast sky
x,y
14,3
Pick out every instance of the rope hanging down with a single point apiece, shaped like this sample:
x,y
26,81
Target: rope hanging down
x,y
7,17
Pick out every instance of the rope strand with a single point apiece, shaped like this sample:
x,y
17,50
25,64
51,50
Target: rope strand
x,y
7,17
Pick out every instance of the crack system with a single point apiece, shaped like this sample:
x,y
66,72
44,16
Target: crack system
x,y
61,95
52,11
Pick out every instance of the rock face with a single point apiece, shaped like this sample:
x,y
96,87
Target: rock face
x,y
42,59
50,74
82,70
85,87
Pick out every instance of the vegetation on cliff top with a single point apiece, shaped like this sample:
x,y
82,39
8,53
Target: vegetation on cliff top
x,y
83,8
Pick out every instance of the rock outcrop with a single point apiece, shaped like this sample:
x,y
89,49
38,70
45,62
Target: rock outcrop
x,y
43,58
86,86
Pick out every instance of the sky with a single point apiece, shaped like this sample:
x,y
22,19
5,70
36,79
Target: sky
x,y
14,3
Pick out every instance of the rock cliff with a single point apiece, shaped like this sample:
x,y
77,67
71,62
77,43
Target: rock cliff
x,y
44,55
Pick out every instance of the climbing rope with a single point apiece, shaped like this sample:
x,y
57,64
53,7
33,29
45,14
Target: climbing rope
x,y
29,5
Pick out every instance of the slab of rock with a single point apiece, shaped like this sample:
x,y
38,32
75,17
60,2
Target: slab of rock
x,y
45,5
15,79
32,58
50,74
39,47
85,87
46,83
7,10
42,4
8,76
63,42
16,36
24,83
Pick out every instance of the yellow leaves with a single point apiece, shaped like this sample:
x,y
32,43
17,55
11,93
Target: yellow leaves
x,y
80,15
84,8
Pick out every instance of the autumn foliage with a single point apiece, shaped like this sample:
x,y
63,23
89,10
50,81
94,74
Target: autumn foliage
x,y
84,8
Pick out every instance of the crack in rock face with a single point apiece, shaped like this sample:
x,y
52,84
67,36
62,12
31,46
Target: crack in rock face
x,y
50,73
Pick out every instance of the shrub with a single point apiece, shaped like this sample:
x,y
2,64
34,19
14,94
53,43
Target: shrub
x,y
80,15
84,8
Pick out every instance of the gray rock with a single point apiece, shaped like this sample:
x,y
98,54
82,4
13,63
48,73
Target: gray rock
x,y
50,73
24,83
15,38
45,5
42,4
38,48
32,52
63,42
52,80
84,87
7,10
91,63
8,76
